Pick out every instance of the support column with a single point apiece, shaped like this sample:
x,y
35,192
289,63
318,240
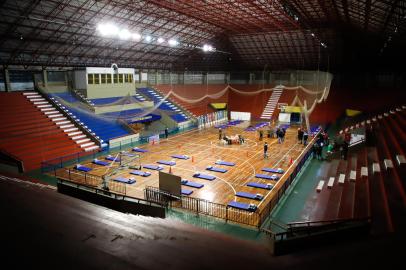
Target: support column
x,y
45,78
251,78
7,84
227,78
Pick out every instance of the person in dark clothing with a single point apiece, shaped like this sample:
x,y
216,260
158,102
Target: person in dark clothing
x,y
265,150
220,133
283,132
344,151
261,135
305,137
299,135
166,133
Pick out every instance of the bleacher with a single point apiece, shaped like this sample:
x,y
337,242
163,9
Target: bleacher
x,y
31,135
193,92
103,128
374,178
166,105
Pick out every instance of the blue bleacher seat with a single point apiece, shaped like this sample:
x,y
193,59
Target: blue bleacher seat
x,y
106,129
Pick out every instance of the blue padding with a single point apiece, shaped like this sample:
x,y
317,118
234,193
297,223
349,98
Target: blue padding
x,y
111,158
204,176
140,150
225,163
141,173
191,184
268,177
243,206
82,168
186,192
153,167
273,170
214,169
165,162
127,154
259,185
250,195
180,156
124,180
100,162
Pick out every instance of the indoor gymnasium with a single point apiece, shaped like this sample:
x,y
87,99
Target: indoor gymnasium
x,y
185,134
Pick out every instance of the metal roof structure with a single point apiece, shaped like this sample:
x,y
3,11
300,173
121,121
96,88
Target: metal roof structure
x,y
251,34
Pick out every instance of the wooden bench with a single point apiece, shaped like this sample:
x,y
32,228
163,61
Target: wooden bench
x,y
320,185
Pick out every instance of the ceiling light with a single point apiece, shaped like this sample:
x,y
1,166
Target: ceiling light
x,y
161,40
136,36
207,48
107,29
148,38
173,42
312,34
124,34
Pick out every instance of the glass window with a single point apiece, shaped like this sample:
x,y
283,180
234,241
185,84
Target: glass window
x,y
90,79
103,78
131,78
115,78
120,78
96,78
108,78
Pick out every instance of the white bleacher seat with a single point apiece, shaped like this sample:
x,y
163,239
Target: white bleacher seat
x,y
380,117
87,149
388,163
376,168
392,112
401,159
353,175
320,186
374,119
364,171
87,144
368,121
385,114
330,182
398,109
341,178
56,116
29,93
403,107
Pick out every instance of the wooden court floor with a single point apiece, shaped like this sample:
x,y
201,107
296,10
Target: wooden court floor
x,y
204,149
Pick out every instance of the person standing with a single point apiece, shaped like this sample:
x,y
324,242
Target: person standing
x,y
265,150
166,132
220,133
305,137
299,135
261,134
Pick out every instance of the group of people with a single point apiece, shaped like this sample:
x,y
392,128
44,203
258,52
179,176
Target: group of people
x,y
280,133
302,136
238,138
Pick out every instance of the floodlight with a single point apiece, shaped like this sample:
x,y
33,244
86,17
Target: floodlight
x,y
107,29
124,34
173,42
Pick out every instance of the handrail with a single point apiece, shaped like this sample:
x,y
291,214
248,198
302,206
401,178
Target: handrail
x,y
330,221
68,115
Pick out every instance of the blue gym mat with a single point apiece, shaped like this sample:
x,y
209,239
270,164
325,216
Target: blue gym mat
x,y
258,197
82,168
259,185
141,173
153,167
243,206
268,177
225,163
124,180
140,150
186,192
191,184
214,169
111,158
273,170
100,162
180,156
165,162
204,176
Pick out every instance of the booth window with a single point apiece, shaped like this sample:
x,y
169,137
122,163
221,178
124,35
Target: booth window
x,y
108,78
103,78
90,79
96,78
115,78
